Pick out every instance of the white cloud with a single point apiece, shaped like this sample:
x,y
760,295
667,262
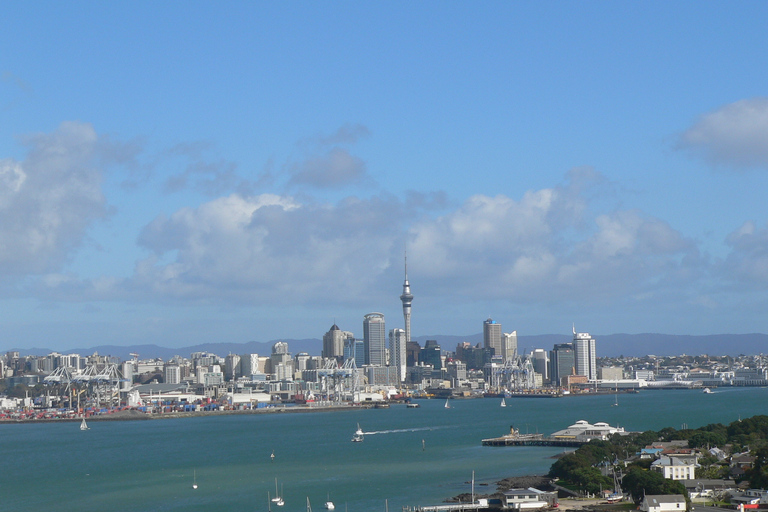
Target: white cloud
x,y
747,263
271,249
735,135
48,200
548,246
334,168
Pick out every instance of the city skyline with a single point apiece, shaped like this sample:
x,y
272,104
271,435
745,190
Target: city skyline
x,y
255,171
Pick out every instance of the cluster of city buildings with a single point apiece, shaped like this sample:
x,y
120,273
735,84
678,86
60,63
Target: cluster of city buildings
x,y
379,365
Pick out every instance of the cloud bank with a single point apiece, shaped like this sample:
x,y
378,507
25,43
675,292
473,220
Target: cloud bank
x,y
735,135
48,200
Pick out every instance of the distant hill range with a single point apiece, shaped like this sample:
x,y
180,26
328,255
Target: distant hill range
x,y
610,345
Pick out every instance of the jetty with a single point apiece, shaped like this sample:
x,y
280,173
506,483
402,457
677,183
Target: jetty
x,y
531,440
574,436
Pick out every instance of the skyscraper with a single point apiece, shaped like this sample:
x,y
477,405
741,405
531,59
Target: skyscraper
x,y
509,345
541,363
397,355
584,354
406,299
333,342
375,339
492,336
562,361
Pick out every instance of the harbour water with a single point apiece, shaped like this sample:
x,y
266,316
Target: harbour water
x,y
417,456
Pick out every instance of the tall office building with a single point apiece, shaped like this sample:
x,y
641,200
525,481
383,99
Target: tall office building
x,y
561,362
492,336
509,345
333,342
406,299
397,352
375,339
541,363
584,354
354,349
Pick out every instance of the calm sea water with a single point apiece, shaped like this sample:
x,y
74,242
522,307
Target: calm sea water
x,y
149,465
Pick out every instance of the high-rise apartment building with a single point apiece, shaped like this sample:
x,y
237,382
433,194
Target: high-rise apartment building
x,y
397,352
492,336
375,339
584,354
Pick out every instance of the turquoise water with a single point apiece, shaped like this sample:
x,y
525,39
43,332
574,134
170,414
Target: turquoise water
x,y
148,465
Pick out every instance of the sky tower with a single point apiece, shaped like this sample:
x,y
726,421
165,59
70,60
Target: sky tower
x,y
406,299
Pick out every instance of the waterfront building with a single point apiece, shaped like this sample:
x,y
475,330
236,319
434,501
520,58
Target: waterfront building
x,y
492,336
333,342
375,339
584,431
397,355
584,354
406,298
610,373
509,345
562,362
381,375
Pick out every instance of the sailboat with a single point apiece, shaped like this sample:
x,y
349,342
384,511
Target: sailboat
x,y
277,500
447,405
194,479
357,437
503,403
329,504
84,425
309,507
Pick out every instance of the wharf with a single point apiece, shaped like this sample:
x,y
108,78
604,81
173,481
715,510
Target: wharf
x,y
531,440
456,507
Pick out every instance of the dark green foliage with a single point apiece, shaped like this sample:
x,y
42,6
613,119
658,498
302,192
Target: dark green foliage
x,y
758,473
639,482
581,468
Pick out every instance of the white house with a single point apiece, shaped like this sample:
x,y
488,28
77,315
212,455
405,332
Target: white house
x,y
675,468
529,499
663,503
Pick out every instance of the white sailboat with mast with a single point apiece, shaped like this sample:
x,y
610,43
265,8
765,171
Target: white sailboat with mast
x,y
277,500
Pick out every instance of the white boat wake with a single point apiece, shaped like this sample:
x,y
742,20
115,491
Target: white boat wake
x,y
399,430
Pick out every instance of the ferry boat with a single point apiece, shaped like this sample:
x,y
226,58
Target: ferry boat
x,y
357,437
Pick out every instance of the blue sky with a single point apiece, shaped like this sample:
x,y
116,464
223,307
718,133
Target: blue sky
x,y
187,172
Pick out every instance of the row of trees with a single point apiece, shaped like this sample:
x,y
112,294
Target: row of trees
x,y
582,468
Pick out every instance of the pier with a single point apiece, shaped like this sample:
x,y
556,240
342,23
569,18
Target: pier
x,y
532,440
456,507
